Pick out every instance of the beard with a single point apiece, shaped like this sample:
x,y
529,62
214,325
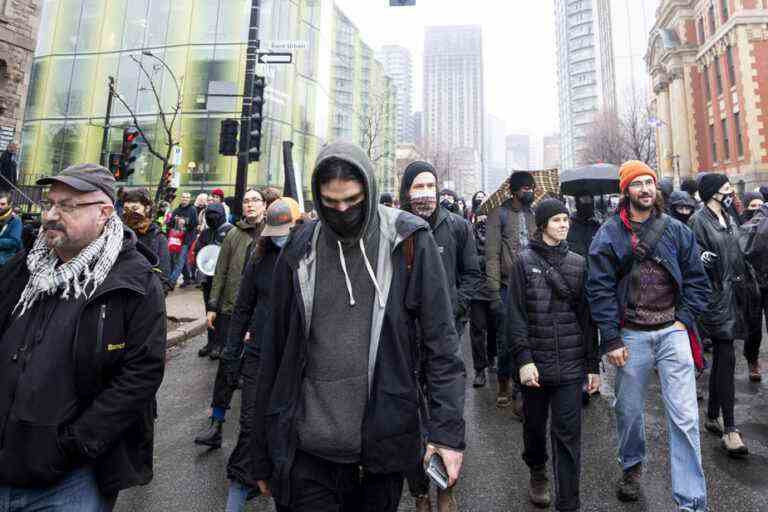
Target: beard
x,y
424,208
55,235
638,204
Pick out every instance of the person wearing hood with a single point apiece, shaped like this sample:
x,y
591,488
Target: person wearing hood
x,y
666,187
725,318
450,201
508,229
214,233
10,229
338,412
550,334
752,202
583,226
682,206
82,354
234,253
137,208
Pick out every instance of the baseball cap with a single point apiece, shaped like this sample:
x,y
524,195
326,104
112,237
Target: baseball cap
x,y
281,216
84,178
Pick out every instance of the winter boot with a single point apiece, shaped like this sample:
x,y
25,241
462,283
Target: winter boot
x,y
538,492
502,394
628,487
445,501
204,351
733,444
423,504
480,379
211,436
755,374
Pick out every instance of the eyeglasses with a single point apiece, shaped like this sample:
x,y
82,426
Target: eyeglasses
x,y
64,207
252,201
637,185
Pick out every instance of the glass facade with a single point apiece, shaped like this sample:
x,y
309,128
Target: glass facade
x,y
83,42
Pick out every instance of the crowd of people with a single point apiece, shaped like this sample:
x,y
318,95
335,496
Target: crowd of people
x,y
342,328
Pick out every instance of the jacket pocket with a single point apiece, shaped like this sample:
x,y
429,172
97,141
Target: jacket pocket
x,y
31,454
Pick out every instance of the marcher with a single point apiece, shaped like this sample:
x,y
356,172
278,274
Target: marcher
x,y
9,161
646,288
250,316
10,229
214,234
449,200
482,319
82,317
458,252
387,200
584,225
137,208
179,265
551,340
682,206
508,229
235,250
726,316
754,245
348,292
752,202
217,197
691,185
666,187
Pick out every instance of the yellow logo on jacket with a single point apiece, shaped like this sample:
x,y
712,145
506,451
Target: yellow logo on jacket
x,y
115,346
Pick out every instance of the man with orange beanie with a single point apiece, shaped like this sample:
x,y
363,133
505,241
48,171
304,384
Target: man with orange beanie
x,y
646,288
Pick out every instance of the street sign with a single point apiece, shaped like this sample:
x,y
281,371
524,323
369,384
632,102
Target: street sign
x,y
286,45
275,58
176,155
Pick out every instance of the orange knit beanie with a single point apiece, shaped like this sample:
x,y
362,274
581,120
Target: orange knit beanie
x,y
631,170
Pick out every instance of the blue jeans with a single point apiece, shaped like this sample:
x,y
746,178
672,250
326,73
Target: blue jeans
x,y
238,495
670,351
179,265
78,492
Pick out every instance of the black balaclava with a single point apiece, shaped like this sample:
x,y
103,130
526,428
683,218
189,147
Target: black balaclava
x,y
748,197
215,216
678,199
585,211
346,224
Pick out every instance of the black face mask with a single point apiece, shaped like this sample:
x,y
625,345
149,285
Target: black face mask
x,y
214,220
748,214
346,224
451,207
684,218
585,210
526,198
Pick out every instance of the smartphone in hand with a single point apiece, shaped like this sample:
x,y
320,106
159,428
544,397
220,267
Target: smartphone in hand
x,y
436,471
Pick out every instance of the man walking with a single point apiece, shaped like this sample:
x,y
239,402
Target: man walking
x,y
646,288
82,317
9,160
508,229
186,210
10,229
338,422
137,208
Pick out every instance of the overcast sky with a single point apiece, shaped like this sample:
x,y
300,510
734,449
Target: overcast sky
x,y
518,46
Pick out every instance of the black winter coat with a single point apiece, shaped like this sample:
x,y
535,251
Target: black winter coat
x,y
581,233
733,284
157,243
391,430
546,327
119,354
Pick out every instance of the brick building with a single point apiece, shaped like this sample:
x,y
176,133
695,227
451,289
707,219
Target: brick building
x,y
708,61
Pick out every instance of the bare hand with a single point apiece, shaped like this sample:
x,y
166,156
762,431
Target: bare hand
x,y
619,357
247,338
451,458
529,375
264,488
211,319
593,383
680,326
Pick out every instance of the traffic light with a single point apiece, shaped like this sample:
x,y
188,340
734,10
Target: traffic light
x,y
228,137
116,165
254,123
130,153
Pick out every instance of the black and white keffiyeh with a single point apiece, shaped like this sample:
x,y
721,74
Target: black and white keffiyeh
x,y
81,275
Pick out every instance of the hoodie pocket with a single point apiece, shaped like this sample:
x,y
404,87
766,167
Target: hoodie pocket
x,y
31,454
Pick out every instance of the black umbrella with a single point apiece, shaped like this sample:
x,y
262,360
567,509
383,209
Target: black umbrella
x,y
592,180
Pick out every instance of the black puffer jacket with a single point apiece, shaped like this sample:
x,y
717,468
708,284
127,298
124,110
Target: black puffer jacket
x,y
581,233
546,327
733,283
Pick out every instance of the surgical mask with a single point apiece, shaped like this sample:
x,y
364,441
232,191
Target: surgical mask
x,y
346,224
526,198
727,201
423,203
280,241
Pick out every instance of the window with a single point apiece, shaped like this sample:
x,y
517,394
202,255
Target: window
x,y
707,87
724,9
713,142
726,141
718,76
702,35
731,66
739,134
711,16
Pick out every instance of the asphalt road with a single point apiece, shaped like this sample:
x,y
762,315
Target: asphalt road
x,y
190,479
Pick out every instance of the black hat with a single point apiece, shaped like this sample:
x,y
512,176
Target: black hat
x,y
547,209
710,183
748,197
84,178
520,179
681,198
409,174
689,185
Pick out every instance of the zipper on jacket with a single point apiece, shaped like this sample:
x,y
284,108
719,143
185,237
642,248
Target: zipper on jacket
x,y
100,340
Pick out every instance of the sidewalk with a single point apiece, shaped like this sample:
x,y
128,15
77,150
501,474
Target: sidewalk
x,y
186,314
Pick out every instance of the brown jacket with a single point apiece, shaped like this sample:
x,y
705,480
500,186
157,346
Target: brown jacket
x,y
502,243
230,265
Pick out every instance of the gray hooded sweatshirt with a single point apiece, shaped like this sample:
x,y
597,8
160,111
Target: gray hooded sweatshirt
x,y
335,386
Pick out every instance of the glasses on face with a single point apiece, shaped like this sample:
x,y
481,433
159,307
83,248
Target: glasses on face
x,y
252,201
639,185
64,206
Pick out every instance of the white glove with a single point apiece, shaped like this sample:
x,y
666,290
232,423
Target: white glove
x,y
709,258
529,375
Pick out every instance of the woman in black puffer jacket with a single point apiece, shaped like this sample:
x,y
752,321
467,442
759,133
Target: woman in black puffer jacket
x,y
549,333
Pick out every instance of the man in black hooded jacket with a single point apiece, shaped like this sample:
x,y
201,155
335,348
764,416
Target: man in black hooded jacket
x,y
338,423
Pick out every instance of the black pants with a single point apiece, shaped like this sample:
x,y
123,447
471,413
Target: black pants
x,y
755,338
239,466
482,332
319,485
721,386
206,285
222,392
565,433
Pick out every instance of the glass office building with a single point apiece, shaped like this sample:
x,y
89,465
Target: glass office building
x,y
83,42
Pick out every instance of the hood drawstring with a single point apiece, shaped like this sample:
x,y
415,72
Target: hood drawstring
x,y
343,261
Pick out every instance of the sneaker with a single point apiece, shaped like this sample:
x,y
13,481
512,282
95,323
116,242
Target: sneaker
x,y
628,486
538,491
755,374
502,394
715,425
734,445
480,379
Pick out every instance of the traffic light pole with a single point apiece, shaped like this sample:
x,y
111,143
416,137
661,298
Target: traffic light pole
x,y
241,179
104,160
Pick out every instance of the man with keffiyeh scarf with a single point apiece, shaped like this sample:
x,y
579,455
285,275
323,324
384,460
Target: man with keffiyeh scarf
x,y
82,317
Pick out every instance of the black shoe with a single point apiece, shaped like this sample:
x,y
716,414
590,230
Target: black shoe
x,y
184,284
204,351
211,436
480,379
628,487
215,353
538,492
